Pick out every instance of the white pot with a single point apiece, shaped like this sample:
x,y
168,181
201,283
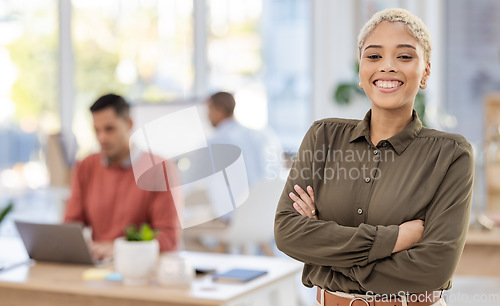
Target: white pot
x,y
135,260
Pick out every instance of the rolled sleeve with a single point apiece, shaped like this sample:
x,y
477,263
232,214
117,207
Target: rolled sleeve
x,y
384,242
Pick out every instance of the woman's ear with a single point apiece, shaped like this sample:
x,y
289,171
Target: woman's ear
x,y
427,73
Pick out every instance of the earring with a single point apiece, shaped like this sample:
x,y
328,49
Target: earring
x,y
423,84
360,85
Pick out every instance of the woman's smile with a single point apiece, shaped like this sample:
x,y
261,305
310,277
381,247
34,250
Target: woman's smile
x,y
388,85
391,67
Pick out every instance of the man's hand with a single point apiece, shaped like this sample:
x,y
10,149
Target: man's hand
x,y
410,233
102,250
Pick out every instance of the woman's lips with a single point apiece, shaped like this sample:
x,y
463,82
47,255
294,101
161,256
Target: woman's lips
x,y
388,86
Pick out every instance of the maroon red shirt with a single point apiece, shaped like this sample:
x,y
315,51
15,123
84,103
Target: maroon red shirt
x,y
107,199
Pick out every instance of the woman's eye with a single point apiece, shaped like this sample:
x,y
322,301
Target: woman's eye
x,y
373,56
405,57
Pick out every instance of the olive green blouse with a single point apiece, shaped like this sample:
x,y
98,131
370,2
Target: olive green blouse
x,y
363,192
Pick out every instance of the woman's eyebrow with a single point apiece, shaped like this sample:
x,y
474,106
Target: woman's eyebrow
x,y
399,46
373,46
407,46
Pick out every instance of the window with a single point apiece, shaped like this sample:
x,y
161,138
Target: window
x,y
259,50
145,50
140,49
28,90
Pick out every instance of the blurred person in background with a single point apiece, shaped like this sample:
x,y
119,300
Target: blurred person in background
x,y
104,194
261,152
261,149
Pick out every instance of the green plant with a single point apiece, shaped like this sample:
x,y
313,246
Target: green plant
x,y
419,106
344,92
6,210
145,233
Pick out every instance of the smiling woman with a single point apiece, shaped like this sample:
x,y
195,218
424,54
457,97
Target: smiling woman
x,y
387,231
392,61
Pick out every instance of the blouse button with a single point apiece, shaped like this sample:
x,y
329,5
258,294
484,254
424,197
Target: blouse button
x,y
360,211
367,179
375,152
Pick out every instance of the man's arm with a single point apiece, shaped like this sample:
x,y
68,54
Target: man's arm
x,y
163,216
75,210
165,210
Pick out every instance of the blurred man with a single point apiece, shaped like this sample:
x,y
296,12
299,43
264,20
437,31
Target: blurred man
x,y
104,193
261,150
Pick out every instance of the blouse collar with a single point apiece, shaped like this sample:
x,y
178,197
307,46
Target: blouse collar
x,y
399,142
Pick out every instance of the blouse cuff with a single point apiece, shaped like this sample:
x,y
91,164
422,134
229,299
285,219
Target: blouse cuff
x,y
385,239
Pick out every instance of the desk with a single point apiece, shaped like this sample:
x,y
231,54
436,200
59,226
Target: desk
x,y
48,284
481,256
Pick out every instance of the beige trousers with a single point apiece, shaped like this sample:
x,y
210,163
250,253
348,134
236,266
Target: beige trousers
x,y
441,302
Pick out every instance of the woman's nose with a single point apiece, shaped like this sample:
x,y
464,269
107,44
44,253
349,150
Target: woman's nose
x,y
387,66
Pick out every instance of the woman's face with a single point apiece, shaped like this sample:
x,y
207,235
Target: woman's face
x,y
392,66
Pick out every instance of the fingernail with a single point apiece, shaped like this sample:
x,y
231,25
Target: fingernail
x,y
309,188
291,194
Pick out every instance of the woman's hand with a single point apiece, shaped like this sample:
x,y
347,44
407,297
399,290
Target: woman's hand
x,y
410,233
304,204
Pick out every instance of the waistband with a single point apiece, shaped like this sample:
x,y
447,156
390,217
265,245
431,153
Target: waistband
x,y
346,299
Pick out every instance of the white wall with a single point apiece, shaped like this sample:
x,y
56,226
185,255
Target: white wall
x,y
334,53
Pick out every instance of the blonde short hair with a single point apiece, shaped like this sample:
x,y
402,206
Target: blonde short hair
x,y
414,24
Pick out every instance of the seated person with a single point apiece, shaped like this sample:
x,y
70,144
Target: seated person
x,y
260,149
104,194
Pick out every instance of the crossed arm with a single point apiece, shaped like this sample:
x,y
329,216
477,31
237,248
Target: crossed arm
x,y
410,257
409,233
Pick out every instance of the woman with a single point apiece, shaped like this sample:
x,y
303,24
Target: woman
x,y
378,209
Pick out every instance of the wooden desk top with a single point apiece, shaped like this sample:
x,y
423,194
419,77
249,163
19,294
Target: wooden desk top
x,y
485,238
67,279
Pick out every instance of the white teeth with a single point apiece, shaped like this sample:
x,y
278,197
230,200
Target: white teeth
x,y
388,84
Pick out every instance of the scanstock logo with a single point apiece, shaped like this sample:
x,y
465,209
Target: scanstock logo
x,y
171,153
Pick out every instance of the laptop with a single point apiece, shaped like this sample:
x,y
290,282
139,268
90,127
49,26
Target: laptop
x,y
62,243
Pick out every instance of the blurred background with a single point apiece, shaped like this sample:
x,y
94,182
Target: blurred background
x,y
288,63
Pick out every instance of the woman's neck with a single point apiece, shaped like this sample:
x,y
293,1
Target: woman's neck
x,y
386,123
